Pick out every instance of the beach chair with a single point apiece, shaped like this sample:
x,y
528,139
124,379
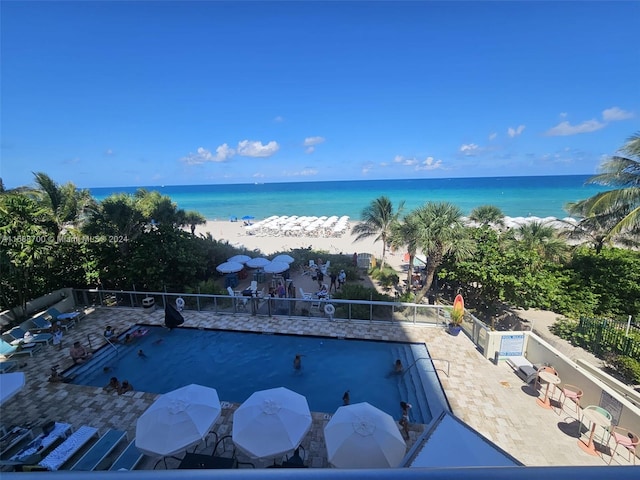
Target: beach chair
x,y
304,295
240,301
8,350
128,459
7,366
523,368
67,449
37,324
95,456
68,318
18,335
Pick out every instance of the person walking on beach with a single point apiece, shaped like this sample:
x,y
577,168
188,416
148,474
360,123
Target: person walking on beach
x,y
320,278
342,278
333,284
346,398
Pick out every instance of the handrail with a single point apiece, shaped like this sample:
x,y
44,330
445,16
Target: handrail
x,y
432,359
105,339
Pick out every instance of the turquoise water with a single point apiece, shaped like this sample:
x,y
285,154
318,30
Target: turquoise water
x,y
516,196
237,364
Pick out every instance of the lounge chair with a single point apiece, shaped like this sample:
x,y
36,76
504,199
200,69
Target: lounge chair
x,y
18,335
67,449
68,318
129,458
523,368
42,442
7,366
240,300
95,456
37,324
8,350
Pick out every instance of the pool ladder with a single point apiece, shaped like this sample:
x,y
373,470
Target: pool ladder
x,y
434,366
105,339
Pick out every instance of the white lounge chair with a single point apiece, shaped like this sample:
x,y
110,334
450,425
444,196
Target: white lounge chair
x,y
523,368
100,450
240,300
67,449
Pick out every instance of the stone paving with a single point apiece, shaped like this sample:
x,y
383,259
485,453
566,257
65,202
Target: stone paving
x,y
491,399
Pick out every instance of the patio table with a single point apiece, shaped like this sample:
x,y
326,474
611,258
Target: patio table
x,y
548,378
596,418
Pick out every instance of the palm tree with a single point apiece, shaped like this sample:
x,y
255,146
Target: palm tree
x,y
489,215
543,239
378,219
404,236
623,203
193,218
440,232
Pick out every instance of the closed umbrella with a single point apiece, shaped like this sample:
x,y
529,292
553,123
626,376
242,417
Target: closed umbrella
x,y
276,267
177,420
362,436
271,422
284,258
10,384
257,262
229,267
239,259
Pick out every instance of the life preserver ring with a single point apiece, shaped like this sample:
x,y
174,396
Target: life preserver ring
x,y
329,309
180,303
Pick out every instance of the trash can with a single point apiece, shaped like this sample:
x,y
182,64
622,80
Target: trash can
x,y
149,304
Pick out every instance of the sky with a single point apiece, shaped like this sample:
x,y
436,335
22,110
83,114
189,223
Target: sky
x,y
177,93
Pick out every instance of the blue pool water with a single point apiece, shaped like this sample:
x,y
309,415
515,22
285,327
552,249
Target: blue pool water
x,y
239,363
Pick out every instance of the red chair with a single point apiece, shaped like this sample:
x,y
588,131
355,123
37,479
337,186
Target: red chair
x,y
572,392
627,439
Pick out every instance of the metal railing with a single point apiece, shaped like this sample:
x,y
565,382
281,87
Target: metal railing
x,y
271,306
90,334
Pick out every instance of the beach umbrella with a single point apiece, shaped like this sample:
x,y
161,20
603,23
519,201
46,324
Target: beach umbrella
x,y
239,259
177,420
229,267
271,422
284,258
362,436
10,384
276,267
257,262
248,217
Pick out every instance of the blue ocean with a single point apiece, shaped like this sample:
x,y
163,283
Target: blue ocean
x,y
541,196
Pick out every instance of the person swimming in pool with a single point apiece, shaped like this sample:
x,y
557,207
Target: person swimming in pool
x,y
297,362
141,354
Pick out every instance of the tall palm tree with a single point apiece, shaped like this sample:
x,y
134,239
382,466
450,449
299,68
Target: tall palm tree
x,y
440,233
489,215
404,235
622,203
377,220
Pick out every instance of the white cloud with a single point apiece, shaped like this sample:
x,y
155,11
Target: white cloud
x,y
278,119
563,114
469,148
565,128
407,162
514,132
108,152
202,155
311,142
258,175
493,136
614,114
251,148
305,172
429,164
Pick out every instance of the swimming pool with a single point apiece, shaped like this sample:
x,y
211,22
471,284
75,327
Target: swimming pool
x,y
240,363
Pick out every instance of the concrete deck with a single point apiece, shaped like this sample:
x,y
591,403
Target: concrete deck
x,y
489,398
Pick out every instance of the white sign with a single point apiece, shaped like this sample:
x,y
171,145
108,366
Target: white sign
x,y
511,345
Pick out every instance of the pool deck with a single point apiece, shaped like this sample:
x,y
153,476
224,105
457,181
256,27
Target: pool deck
x,y
491,399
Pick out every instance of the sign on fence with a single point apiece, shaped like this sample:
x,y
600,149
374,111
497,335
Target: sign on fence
x,y
511,345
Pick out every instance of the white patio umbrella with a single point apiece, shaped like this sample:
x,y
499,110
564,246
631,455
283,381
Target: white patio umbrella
x,y
283,258
276,267
229,267
177,420
362,436
239,259
257,262
271,422
10,384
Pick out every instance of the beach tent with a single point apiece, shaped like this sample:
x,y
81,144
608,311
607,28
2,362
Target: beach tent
x,y
172,317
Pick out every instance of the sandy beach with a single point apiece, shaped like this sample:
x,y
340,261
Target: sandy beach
x,y
235,234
